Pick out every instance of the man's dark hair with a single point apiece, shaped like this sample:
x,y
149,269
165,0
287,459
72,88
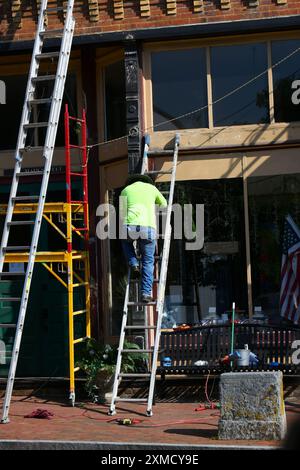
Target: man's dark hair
x,y
142,178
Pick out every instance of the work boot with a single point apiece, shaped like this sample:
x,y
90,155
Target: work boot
x,y
146,298
135,272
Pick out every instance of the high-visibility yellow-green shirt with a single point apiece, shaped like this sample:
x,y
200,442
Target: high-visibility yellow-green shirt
x,y
137,204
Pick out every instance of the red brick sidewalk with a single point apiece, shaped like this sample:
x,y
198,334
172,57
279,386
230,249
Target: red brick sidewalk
x,y
171,423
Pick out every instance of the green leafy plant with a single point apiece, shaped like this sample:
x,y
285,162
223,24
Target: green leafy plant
x,y
98,361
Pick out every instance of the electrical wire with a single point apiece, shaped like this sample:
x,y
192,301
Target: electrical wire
x,y
218,100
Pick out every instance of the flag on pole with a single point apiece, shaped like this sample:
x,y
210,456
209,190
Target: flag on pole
x,y
290,272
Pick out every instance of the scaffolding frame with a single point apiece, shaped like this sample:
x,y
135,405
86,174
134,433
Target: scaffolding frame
x,y
70,262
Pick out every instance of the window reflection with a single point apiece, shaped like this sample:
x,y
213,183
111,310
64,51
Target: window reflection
x,y
283,76
271,199
179,87
231,67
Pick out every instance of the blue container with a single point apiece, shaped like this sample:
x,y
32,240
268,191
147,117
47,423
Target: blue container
x,y
167,362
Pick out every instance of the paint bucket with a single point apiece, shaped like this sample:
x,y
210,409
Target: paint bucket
x,y
244,354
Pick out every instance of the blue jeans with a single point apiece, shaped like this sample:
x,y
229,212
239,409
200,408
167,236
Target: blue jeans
x,y
146,239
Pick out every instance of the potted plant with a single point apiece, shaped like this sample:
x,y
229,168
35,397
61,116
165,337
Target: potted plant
x,y
98,361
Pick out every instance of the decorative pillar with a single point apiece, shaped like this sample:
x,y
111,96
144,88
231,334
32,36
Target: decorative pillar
x,y
132,105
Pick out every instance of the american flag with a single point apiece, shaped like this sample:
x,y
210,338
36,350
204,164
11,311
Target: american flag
x,y
290,272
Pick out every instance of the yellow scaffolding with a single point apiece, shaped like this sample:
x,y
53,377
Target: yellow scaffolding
x,y
75,265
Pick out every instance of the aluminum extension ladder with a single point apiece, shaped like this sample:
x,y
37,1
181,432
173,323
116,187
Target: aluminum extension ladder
x,y
46,151
158,303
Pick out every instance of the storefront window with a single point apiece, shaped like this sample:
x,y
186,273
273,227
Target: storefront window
x,y
271,200
231,67
284,75
203,284
179,87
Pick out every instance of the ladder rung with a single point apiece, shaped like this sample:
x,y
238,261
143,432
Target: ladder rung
x,y
40,101
10,299
79,284
138,351
31,149
130,304
29,173
79,340
72,146
8,325
20,222
52,33
50,9
161,152
135,375
141,400
16,248
12,274
34,125
140,327
25,198
79,312
43,78
158,172
47,55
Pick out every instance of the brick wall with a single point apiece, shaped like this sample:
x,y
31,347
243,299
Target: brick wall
x,y
18,17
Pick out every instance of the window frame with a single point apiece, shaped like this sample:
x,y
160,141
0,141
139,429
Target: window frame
x,y
208,43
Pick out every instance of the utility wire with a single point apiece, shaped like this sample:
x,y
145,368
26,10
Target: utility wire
x,y
218,100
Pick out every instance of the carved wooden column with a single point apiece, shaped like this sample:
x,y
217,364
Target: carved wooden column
x,y
132,105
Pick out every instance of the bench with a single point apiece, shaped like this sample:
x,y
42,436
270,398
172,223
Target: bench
x,y
271,344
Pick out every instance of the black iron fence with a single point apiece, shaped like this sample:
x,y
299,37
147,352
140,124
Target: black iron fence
x,y
274,346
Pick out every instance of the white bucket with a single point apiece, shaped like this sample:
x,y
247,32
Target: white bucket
x,y
243,360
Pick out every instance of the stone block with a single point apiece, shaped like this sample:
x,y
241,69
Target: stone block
x,y
252,406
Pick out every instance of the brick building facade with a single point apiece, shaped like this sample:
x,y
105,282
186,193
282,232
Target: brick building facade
x,y
147,66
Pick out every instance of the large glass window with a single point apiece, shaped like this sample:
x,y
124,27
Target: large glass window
x,y
179,87
202,284
115,100
271,200
284,74
231,67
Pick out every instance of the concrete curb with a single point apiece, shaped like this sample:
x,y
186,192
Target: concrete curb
x,y
94,445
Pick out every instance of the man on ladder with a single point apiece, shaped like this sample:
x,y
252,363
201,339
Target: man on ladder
x,y
137,209
139,217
